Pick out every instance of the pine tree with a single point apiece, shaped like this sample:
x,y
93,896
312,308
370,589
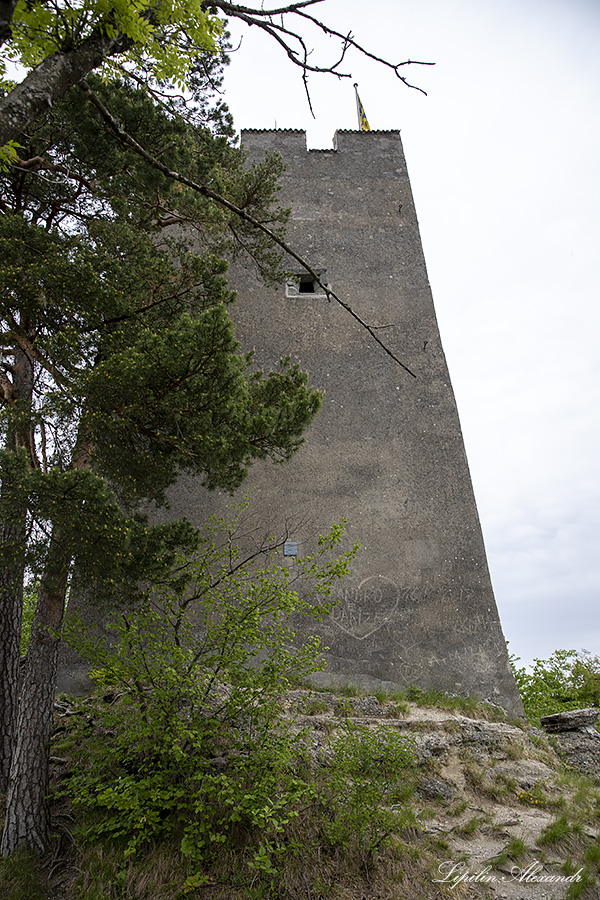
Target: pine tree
x,y
119,370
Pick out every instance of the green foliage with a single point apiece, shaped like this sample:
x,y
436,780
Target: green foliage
x,y
195,750
137,375
367,788
9,154
188,744
120,365
29,601
156,32
568,679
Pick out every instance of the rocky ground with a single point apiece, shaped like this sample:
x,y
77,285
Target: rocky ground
x,y
511,812
500,810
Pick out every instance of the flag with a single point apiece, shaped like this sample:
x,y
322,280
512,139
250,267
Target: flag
x,y
363,122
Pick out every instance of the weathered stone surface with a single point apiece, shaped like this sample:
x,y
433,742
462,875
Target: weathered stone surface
x,y
386,451
527,773
572,720
437,789
580,750
358,706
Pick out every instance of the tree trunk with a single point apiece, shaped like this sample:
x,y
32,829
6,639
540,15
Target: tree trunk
x,y
11,612
7,8
27,822
47,83
13,532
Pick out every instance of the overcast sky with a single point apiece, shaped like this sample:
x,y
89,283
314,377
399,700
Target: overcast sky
x,y
504,160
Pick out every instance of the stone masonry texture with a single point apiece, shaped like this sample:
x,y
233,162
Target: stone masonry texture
x,y
386,451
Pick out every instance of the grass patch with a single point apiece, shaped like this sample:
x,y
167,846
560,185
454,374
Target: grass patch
x,y
469,827
580,888
513,750
22,876
516,848
396,710
592,856
483,784
468,705
315,706
584,796
404,868
458,808
347,690
558,832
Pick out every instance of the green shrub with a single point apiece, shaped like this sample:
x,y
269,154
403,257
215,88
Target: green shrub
x,y
187,742
568,679
186,747
366,788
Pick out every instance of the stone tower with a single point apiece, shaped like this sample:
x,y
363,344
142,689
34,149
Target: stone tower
x,y
386,451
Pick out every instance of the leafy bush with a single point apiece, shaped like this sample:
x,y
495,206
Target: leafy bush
x,y
568,679
187,743
366,788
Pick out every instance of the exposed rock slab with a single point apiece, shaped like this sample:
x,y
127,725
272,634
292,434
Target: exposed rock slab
x,y
572,720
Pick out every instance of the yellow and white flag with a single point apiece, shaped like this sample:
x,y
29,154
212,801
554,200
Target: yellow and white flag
x,y
363,122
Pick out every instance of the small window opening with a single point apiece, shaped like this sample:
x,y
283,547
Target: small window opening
x,y
304,283
307,285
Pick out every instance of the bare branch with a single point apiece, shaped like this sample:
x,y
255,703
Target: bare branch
x,y
222,201
300,55
38,162
349,41
233,9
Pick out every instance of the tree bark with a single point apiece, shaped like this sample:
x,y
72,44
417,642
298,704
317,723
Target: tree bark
x,y
48,82
27,821
12,529
11,611
7,9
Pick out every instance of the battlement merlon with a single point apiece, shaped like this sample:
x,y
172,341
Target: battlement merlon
x,y
356,154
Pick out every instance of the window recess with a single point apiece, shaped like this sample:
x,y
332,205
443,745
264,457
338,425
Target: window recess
x,y
301,283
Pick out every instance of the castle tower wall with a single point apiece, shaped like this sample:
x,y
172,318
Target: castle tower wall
x,y
386,451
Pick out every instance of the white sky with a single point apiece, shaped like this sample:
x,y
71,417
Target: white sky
x,y
504,157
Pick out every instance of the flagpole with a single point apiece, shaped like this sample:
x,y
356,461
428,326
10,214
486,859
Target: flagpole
x,y
357,105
